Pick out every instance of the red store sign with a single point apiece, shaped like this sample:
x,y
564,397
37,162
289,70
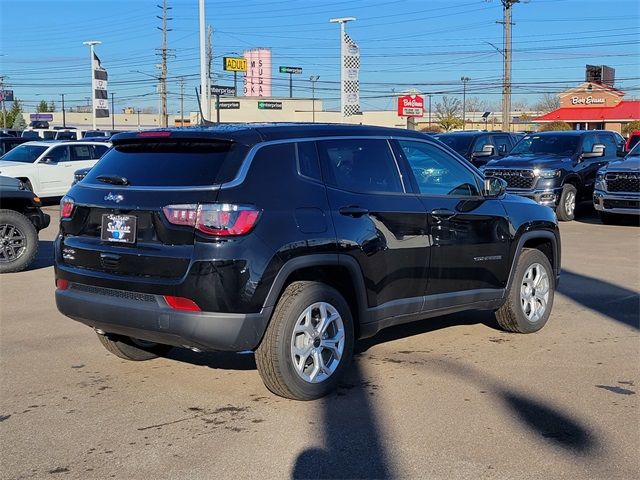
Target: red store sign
x,y
410,106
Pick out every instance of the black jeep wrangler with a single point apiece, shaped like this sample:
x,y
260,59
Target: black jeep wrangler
x,y
21,218
293,241
556,169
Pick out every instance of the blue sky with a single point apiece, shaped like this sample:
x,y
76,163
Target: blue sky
x,y
423,44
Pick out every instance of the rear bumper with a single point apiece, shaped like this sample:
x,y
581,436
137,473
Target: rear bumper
x,y
621,203
148,317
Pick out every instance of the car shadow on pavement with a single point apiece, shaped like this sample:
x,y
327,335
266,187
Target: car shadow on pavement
x,y
215,360
618,303
352,443
44,259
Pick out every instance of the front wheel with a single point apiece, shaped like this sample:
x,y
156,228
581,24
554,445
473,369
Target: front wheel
x,y
530,296
566,209
18,241
308,344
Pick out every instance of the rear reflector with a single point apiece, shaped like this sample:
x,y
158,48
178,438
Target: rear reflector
x,y
154,134
62,284
181,303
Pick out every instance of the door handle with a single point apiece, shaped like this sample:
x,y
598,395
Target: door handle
x,y
443,213
353,211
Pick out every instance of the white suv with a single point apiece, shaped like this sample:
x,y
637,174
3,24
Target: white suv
x,y
47,167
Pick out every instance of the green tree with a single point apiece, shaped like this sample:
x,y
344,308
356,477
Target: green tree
x,y
431,129
14,111
627,128
555,126
448,113
52,106
42,107
19,123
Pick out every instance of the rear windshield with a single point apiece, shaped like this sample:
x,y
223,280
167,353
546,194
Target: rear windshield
x,y
459,143
24,153
170,164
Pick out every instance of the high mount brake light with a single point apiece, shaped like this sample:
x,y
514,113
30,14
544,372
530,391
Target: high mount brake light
x,y
220,220
66,207
153,134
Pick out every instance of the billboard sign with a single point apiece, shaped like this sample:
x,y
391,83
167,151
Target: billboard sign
x,y
223,90
295,70
41,117
235,64
257,79
6,95
411,106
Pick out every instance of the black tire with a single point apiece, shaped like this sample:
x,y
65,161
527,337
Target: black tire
x,y
511,315
14,228
566,209
274,355
608,218
131,349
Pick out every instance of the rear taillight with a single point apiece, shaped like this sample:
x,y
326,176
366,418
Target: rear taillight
x,y
66,207
222,220
181,303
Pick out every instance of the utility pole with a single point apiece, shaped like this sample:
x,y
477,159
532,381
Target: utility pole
x,y
506,49
64,119
181,101
209,62
92,44
113,112
464,81
162,86
204,93
313,79
4,108
429,95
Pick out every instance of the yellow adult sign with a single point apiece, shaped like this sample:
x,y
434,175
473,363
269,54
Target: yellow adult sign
x,y
235,64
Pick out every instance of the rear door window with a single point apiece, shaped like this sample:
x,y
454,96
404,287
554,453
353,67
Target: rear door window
x,y
308,163
360,165
59,154
81,153
173,163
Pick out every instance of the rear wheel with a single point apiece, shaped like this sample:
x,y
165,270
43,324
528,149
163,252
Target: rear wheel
x,y
133,349
530,297
308,344
566,209
18,241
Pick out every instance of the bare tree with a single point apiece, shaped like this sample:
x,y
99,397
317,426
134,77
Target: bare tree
x,y
448,113
520,106
547,103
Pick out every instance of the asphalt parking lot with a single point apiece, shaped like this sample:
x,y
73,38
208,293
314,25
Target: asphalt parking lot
x,y
452,397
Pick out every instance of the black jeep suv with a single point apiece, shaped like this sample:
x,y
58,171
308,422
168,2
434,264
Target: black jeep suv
x,y
21,218
556,169
480,147
293,241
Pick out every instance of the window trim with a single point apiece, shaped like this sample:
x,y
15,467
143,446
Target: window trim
x,y
464,163
299,171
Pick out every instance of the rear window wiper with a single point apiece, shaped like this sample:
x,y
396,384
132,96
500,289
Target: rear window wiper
x,y
113,179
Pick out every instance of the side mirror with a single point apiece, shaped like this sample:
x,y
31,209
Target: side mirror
x,y
494,187
487,151
596,151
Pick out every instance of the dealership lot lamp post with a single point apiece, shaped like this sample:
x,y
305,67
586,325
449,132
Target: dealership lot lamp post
x,y
92,44
313,79
464,81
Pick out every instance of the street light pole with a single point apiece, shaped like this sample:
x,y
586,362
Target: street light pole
x,y
343,53
204,94
64,120
92,44
464,81
313,79
113,113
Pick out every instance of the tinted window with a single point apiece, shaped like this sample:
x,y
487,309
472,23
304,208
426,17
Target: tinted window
x,y
168,163
308,163
502,143
610,147
460,143
59,154
80,153
554,144
438,173
588,142
360,165
99,150
24,153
